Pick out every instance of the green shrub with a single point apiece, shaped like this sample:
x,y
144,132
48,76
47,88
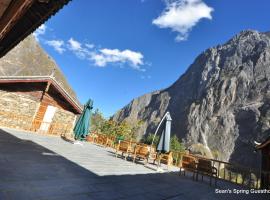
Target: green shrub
x,y
147,139
176,145
99,124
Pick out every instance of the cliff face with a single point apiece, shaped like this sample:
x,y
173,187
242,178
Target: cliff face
x,y
221,103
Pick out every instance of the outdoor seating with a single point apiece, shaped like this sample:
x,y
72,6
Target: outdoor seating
x,y
152,153
165,158
90,138
141,152
124,147
101,139
188,164
204,167
109,141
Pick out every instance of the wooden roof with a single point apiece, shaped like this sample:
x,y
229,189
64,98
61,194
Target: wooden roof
x,y
19,18
35,79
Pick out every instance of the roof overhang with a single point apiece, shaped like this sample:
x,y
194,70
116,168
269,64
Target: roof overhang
x,y
44,79
19,18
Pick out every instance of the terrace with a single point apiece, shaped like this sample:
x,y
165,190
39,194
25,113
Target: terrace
x,y
35,166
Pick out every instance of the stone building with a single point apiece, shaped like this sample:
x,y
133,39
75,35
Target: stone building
x,y
38,104
34,94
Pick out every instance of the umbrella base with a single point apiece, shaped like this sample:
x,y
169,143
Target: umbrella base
x,y
78,143
160,169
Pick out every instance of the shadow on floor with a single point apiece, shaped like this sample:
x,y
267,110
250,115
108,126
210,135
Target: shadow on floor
x,y
30,171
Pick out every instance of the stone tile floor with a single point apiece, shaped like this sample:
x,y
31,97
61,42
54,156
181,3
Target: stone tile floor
x,y
39,167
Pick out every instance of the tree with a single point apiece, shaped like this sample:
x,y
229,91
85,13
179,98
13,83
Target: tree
x,y
110,127
147,139
175,144
97,121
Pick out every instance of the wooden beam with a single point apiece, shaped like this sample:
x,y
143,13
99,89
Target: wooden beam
x,y
48,86
16,9
35,14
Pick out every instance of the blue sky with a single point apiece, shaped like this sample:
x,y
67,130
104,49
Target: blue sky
x,y
115,50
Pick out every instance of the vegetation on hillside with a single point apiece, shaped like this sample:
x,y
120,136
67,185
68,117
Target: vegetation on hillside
x,y
99,124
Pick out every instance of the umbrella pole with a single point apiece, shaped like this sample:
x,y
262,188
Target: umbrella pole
x,y
158,128
155,137
159,169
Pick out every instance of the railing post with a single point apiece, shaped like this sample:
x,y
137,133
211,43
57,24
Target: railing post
x,y
218,169
224,174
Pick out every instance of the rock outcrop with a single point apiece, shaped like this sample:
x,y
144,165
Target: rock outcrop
x,y
221,103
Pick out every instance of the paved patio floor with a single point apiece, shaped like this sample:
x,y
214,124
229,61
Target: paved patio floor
x,y
43,167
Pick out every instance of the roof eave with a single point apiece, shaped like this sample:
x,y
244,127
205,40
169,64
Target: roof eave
x,y
65,94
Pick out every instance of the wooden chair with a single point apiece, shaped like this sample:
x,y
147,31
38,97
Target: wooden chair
x,y
124,147
189,163
141,152
101,139
90,138
152,154
204,167
110,141
165,158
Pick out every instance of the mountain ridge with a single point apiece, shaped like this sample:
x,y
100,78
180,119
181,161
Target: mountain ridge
x,y
224,88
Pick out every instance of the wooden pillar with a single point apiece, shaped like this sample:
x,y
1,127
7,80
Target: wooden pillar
x,y
41,110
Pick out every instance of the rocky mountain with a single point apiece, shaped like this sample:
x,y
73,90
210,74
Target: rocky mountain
x,y
220,104
29,59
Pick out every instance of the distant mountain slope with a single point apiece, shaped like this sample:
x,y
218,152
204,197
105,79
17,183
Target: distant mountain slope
x,y
222,102
29,59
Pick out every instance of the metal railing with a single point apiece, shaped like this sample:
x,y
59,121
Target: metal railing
x,y
231,172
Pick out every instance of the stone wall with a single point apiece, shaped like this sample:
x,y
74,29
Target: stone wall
x,y
17,110
64,122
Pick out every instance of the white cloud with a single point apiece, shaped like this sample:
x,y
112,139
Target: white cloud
x,y
105,56
77,48
182,15
58,45
90,46
40,31
74,45
100,56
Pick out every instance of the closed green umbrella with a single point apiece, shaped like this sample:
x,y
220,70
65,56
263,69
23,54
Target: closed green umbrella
x,y
81,129
165,128
164,142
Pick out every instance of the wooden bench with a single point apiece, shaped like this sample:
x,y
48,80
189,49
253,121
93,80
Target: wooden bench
x,y
124,147
204,167
188,163
141,151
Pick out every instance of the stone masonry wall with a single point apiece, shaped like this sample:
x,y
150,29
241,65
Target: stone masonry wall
x,y
17,110
64,121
